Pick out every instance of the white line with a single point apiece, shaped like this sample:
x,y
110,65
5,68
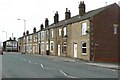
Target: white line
x,y
29,61
42,65
67,75
63,72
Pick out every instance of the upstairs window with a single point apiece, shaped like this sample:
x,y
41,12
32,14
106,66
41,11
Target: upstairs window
x,y
60,32
64,31
115,28
84,28
42,35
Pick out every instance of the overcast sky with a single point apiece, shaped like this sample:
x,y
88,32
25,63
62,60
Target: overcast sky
x,y
35,12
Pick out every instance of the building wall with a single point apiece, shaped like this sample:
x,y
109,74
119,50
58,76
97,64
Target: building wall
x,y
104,37
119,32
78,38
34,43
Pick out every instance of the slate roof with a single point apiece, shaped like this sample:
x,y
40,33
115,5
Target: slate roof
x,y
78,18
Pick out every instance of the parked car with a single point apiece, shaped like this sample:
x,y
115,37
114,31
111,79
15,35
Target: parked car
x,y
1,51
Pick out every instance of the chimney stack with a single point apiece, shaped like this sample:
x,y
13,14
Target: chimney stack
x,y
14,38
34,30
67,14
41,26
23,33
46,22
56,17
10,38
27,32
82,8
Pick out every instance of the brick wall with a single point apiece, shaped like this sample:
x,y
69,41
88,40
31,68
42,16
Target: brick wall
x,y
107,50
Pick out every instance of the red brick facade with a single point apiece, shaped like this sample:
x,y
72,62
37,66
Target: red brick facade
x,y
107,49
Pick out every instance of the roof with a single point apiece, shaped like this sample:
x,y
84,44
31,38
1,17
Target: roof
x,y
78,18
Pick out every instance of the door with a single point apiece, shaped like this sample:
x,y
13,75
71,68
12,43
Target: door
x,y
58,50
75,50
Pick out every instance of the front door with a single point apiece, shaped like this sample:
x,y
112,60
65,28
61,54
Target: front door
x,y
75,50
58,50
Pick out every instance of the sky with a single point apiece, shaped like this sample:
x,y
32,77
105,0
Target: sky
x,y
35,12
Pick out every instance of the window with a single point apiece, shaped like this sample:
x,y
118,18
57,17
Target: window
x,y
47,46
51,46
35,38
42,35
115,29
84,48
47,34
42,46
64,47
39,36
52,33
60,32
30,38
65,31
84,28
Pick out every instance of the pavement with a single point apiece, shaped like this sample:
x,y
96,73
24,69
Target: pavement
x,y
97,64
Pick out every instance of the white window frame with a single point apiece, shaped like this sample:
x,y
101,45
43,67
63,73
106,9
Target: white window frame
x,y
42,46
83,47
65,31
47,46
84,28
42,35
60,32
51,42
115,29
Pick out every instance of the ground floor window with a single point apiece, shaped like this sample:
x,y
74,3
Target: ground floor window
x,y
84,48
42,46
64,47
51,46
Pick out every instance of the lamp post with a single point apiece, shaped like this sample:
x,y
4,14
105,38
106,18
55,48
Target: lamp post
x,y
24,23
6,34
24,35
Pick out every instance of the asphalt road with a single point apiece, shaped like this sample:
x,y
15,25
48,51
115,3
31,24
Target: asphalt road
x,y
15,65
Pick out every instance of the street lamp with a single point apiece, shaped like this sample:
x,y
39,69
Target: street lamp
x,y
6,34
24,23
24,35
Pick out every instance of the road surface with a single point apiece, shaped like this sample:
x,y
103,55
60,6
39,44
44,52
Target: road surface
x,y
16,65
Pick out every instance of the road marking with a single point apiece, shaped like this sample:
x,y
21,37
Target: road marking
x,y
29,61
63,72
42,65
59,71
66,74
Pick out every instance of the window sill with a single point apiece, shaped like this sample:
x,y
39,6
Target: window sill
x,y
84,54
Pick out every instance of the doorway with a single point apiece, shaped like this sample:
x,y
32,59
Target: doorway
x,y
75,50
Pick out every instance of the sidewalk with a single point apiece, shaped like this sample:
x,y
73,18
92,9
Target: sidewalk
x,y
97,64
105,65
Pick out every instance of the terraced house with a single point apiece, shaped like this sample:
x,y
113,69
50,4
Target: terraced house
x,y
90,36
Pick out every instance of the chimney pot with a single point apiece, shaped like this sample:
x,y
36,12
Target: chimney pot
x,y
67,14
42,26
46,22
56,17
82,8
34,30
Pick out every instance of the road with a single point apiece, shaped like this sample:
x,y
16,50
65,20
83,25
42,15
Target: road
x,y
15,65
